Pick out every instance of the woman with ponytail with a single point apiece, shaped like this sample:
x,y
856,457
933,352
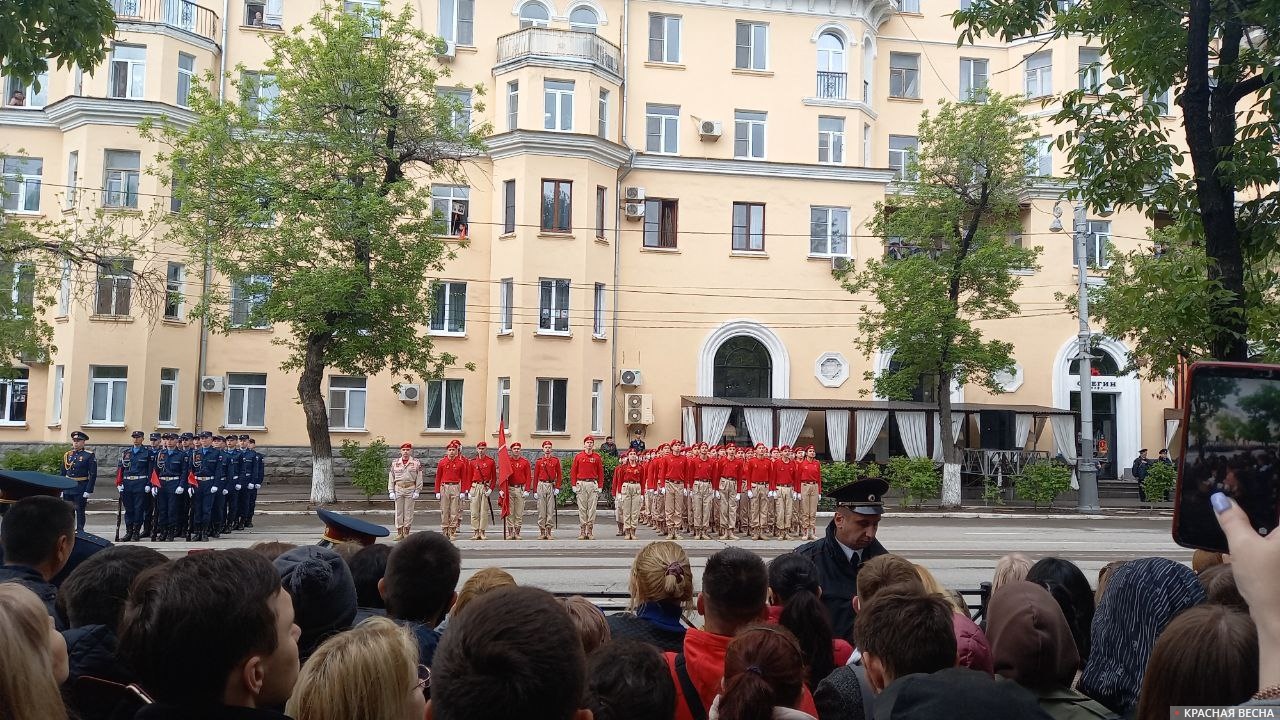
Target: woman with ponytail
x,y
661,592
795,602
764,674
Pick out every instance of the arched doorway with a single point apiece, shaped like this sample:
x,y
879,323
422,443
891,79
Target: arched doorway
x,y
1117,401
743,368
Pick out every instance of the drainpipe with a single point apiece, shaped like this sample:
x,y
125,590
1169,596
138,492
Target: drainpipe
x,y
617,222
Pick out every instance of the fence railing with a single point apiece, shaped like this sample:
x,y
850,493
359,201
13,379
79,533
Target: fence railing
x,y
560,44
179,14
832,85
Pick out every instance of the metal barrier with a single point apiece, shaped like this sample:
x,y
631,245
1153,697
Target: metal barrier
x,y
178,14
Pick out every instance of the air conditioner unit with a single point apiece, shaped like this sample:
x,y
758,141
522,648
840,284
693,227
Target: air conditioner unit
x,y
710,129
840,263
634,210
410,393
211,384
633,193
639,408
630,377
446,51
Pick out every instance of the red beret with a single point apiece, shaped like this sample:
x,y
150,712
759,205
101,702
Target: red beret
x,y
761,446
455,443
516,445
588,439
482,444
407,446
547,443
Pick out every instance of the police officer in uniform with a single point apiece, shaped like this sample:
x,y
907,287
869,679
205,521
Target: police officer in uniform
x,y
80,465
133,480
235,483
249,467
206,463
171,466
187,444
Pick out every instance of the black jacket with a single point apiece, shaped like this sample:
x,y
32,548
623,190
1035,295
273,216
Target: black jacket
x,y
220,712
838,576
35,582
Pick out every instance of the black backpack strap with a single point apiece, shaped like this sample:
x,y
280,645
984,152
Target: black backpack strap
x,y
691,697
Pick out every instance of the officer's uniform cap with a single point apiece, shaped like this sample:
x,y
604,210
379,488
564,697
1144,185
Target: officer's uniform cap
x,y
345,528
865,496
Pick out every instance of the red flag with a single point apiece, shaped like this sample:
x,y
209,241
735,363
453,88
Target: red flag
x,y
191,479
155,479
504,470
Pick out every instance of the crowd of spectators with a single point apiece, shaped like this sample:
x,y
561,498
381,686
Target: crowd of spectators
x,y
386,633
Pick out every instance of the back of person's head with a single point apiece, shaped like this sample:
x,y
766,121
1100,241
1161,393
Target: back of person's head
x,y
192,623
1202,560
484,580
629,680
272,549
973,649
346,550
1220,587
933,586
734,587
422,573
1070,589
1013,566
513,654
95,593
366,672
882,571
902,633
1031,638
661,573
763,669
38,531
324,595
28,681
793,581
1104,576
593,629
1208,655
957,694
367,568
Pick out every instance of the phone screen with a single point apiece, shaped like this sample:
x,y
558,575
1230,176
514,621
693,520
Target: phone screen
x,y
1230,444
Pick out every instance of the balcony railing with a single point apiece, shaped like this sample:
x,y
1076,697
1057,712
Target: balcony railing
x,y
559,44
832,85
178,14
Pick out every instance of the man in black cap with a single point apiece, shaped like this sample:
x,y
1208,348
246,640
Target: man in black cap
x,y
235,484
250,504
171,466
850,541
82,466
133,479
206,463
149,505
37,535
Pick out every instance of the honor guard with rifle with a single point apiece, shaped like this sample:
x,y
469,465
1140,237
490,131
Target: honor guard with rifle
x,y
133,480
80,465
206,464
235,483
149,498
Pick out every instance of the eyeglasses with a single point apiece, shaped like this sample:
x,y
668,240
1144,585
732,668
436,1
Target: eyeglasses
x,y
424,681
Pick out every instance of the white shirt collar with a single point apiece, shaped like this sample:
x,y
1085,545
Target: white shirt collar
x,y
849,552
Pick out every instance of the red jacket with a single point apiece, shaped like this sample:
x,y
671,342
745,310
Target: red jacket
x,y
651,479
704,660
627,473
810,471
587,466
733,469
480,470
760,471
786,475
548,469
521,475
450,471
677,469
704,470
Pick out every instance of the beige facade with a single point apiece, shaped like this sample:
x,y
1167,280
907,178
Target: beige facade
x,y
786,115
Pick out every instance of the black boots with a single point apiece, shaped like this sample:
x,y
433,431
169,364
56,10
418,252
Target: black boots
x,y
131,534
239,524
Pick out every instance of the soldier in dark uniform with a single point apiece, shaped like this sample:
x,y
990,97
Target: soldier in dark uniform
x,y
187,444
171,466
235,483
249,459
849,543
222,479
149,498
80,465
206,463
133,480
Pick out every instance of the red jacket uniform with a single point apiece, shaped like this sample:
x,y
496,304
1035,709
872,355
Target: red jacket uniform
x,y
732,469
521,475
480,470
627,473
548,469
810,471
786,476
760,470
587,466
651,474
676,468
704,470
704,661
450,471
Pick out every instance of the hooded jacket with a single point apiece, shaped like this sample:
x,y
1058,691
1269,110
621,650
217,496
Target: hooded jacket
x,y
973,650
838,576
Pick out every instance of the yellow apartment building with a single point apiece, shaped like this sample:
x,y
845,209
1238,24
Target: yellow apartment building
x,y
654,223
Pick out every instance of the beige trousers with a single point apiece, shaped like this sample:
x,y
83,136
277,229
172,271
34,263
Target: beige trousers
x,y
450,507
700,512
404,507
588,492
786,507
728,504
672,504
630,507
479,507
809,493
759,505
517,507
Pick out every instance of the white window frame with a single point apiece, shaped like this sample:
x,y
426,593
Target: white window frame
x,y
443,386
745,125
528,22
506,304
866,145
554,300
135,73
1163,98
1097,245
459,111
444,311
831,141
363,8
598,308
111,387
169,386
665,34
508,207
344,396
906,78
59,386
557,104
20,277
900,157
911,7
241,296
1038,75
754,53
175,278
597,407
1090,72
246,386
447,198
73,179
548,424
504,402
828,214
186,80
577,21
975,80
64,289
665,120
1041,164
602,105
454,23
513,104
35,100
260,100
114,273
120,183
26,174
17,386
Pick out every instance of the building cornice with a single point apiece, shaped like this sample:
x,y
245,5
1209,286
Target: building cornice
x,y
873,12
798,171
1040,188
156,28
20,117
567,145
76,111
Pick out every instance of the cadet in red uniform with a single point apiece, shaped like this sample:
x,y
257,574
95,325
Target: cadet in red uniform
x,y
548,475
730,491
518,487
673,488
702,471
810,492
628,483
481,477
786,479
451,471
587,475
759,472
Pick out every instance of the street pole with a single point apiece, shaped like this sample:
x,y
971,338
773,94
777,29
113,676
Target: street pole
x,y
1086,469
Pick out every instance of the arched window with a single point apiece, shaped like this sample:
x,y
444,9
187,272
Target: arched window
x,y
534,14
926,388
832,79
584,19
1103,363
868,68
743,368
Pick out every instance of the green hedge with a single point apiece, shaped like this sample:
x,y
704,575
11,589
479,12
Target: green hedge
x,y
46,460
368,466
1043,482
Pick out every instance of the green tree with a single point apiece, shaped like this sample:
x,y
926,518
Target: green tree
x,y
67,31
368,465
1217,62
953,265
1042,482
313,204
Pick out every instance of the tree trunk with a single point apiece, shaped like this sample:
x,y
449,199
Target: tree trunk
x,y
950,453
317,417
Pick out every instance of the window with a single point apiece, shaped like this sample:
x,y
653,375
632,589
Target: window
x,y
557,104
55,415
504,401
602,203
31,96
584,19
458,101
909,6
186,76
748,134
597,408
444,404
264,13
506,301
748,227
868,67
457,21
660,223
553,305
664,38
534,14
115,281
13,398
552,404
128,71
902,150
513,104
246,400
347,397
448,308
597,315
508,206
1158,98
602,106
21,191
829,231
174,277
866,144
258,93
1097,244
1041,163
368,10
832,78
168,415
751,52
973,80
73,178
1039,74
831,140
966,4
18,288
661,128
64,289
1090,70
557,205
452,204
107,389
122,172
175,199
904,75
247,299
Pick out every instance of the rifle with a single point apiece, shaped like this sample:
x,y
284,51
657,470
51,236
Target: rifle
x,y
119,512
488,500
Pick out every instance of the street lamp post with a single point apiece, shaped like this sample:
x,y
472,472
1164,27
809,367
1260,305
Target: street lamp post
x,y
1086,468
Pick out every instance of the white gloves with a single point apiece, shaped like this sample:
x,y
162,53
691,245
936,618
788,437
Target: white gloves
x,y
213,489
686,492
225,491
238,487
466,496
391,495
415,496
737,496
662,491
751,494
437,496
501,494
773,493
178,490
86,494
795,496
119,488
527,494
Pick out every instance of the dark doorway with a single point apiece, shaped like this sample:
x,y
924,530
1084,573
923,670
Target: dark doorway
x,y
1105,420
743,369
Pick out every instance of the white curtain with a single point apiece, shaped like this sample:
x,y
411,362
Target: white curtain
x,y
1170,429
790,423
714,419
838,434
957,422
869,423
1064,441
911,429
690,425
760,425
1022,430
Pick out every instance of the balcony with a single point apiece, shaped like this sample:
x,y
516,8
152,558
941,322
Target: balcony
x,y
559,47
832,85
177,14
